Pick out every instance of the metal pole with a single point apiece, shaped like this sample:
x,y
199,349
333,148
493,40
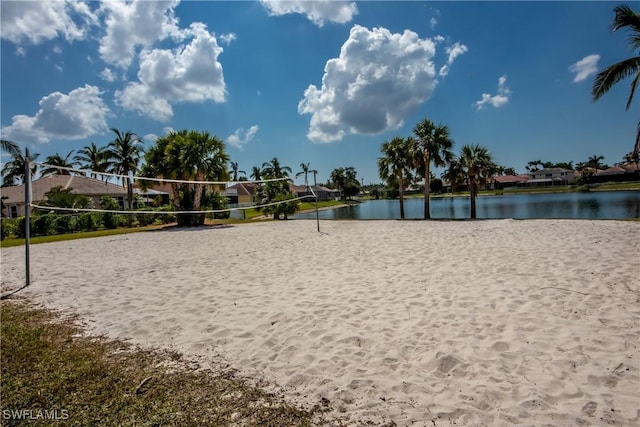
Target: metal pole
x,y
27,218
316,185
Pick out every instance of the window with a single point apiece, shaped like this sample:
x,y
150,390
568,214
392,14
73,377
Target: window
x,y
549,175
13,212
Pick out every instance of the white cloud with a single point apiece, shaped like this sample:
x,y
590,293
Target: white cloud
x,y
227,38
433,23
498,100
58,67
584,68
189,73
37,21
107,75
150,137
318,12
453,52
378,80
130,24
239,138
78,115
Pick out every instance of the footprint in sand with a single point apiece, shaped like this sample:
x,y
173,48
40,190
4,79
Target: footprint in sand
x,y
500,346
589,409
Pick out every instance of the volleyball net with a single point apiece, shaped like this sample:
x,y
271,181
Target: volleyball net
x,y
139,184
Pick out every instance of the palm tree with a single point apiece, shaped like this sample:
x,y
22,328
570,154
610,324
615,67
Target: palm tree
x,y
594,162
276,191
532,166
395,165
234,171
273,169
433,145
10,147
93,158
625,19
188,155
124,156
56,161
13,171
256,173
477,167
304,171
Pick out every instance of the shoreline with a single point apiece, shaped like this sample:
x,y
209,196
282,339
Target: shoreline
x,y
489,322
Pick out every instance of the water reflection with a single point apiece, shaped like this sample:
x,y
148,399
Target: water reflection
x,y
596,205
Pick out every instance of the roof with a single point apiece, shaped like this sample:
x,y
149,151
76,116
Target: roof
x,y
241,189
305,189
79,184
615,170
509,178
551,170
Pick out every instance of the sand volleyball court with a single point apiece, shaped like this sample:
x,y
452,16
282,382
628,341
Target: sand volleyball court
x,y
496,322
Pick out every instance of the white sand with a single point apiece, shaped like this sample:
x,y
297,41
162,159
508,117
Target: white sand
x,y
420,323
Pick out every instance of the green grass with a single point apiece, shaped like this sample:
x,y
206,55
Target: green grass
x,y
81,235
47,364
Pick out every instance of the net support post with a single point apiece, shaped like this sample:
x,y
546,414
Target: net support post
x,y
27,220
316,187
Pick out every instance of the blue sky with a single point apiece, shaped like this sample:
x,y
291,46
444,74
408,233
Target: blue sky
x,y
319,82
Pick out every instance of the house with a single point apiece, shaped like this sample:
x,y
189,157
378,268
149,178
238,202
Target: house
x,y
13,197
549,177
241,193
505,181
626,172
323,192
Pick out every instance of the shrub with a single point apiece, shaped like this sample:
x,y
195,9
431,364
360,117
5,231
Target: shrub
x,y
43,225
64,224
87,221
145,218
166,218
8,227
20,227
109,219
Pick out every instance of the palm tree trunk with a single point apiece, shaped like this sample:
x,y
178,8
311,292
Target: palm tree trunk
x,y
472,194
427,179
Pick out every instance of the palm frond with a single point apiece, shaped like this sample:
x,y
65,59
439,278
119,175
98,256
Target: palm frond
x,y
625,17
634,83
613,74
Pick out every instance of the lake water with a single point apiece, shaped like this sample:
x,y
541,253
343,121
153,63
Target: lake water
x,y
594,205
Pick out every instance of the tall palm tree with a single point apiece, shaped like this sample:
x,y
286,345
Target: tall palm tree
x,y
203,158
56,160
93,158
124,154
13,172
477,166
304,171
594,162
235,171
433,145
532,166
273,169
256,173
395,165
188,155
277,190
625,19
9,147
